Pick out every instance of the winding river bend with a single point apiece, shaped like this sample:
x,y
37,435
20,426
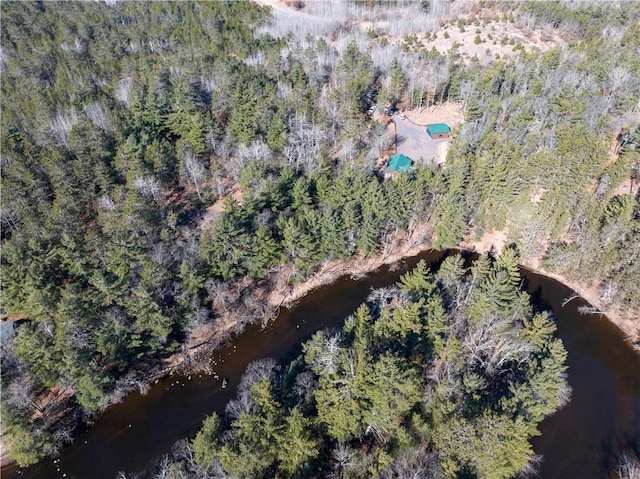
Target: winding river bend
x,y
580,441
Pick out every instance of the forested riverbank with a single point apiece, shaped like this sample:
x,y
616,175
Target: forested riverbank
x,y
415,383
124,125
603,373
197,354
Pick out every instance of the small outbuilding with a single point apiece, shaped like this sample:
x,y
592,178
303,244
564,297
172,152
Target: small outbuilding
x,y
397,164
437,131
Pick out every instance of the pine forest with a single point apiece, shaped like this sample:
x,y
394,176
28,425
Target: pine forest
x,y
166,166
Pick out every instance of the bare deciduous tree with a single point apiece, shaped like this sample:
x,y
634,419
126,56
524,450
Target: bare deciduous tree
x,y
193,170
492,345
220,294
148,186
47,328
305,141
8,219
20,393
106,203
609,292
416,464
97,115
258,151
79,336
61,127
628,467
326,361
342,454
123,90
256,371
163,468
305,384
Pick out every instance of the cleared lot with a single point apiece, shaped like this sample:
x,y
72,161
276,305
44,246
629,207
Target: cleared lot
x,y
414,142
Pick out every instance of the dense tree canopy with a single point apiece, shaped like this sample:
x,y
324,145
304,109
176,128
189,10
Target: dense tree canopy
x,y
129,131
454,366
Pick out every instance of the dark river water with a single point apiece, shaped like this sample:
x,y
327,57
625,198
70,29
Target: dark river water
x,y
582,440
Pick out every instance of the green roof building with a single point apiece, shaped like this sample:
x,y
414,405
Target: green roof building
x,y
437,131
397,164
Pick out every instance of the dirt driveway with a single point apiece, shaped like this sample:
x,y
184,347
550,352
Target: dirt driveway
x,y
414,142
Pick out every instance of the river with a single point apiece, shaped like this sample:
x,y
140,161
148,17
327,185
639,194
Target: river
x,y
580,441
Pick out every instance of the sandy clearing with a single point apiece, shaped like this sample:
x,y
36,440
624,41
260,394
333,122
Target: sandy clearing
x,y
217,208
491,241
498,39
413,140
448,112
